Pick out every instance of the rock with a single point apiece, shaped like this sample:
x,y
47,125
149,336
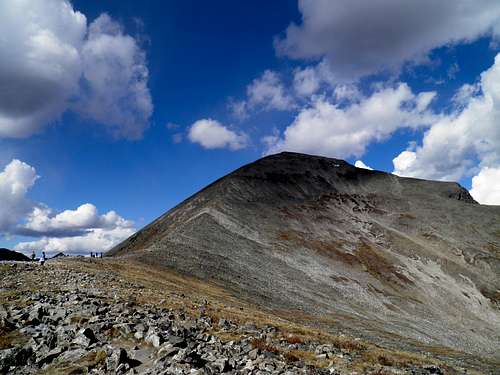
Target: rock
x,y
434,370
85,338
37,312
49,357
195,359
154,340
177,341
4,313
220,365
14,357
120,356
6,325
122,368
167,350
253,354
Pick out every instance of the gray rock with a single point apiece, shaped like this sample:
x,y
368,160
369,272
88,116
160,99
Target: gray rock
x,y
49,357
85,338
154,340
177,341
15,357
253,354
167,350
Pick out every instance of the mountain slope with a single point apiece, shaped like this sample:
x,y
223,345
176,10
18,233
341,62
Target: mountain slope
x,y
403,261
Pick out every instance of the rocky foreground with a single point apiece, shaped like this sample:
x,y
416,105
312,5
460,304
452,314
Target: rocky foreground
x,y
76,317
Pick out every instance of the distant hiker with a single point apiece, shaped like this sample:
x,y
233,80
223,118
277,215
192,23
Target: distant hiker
x,y
100,256
91,254
42,258
33,255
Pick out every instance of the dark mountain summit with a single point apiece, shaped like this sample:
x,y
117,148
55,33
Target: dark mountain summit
x,y
401,261
10,255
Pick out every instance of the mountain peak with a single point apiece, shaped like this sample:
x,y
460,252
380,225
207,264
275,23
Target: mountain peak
x,y
294,231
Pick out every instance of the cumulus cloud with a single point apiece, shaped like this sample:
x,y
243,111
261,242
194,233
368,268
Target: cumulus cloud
x,y
211,134
486,186
43,221
341,131
266,92
115,91
361,164
311,79
358,37
96,240
306,81
15,181
51,62
455,143
79,230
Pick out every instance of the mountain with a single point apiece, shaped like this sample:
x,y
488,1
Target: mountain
x,y
403,262
6,254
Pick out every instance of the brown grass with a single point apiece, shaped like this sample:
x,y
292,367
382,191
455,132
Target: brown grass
x,y
378,266
11,339
394,358
261,344
293,339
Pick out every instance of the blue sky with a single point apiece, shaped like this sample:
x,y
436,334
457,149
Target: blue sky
x,y
113,112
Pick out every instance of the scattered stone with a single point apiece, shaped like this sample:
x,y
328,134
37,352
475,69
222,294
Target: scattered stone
x,y
92,333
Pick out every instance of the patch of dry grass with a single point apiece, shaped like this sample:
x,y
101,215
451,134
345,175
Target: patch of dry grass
x,y
262,345
11,339
293,339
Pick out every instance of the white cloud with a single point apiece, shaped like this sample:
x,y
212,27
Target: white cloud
x,y
238,108
212,134
463,95
328,129
83,229
96,240
269,92
309,80
347,92
115,72
486,186
50,60
306,81
403,161
42,220
359,37
15,181
361,164
455,143
40,66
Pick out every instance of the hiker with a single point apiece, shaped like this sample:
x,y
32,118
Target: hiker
x,y
43,258
101,256
33,255
91,254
